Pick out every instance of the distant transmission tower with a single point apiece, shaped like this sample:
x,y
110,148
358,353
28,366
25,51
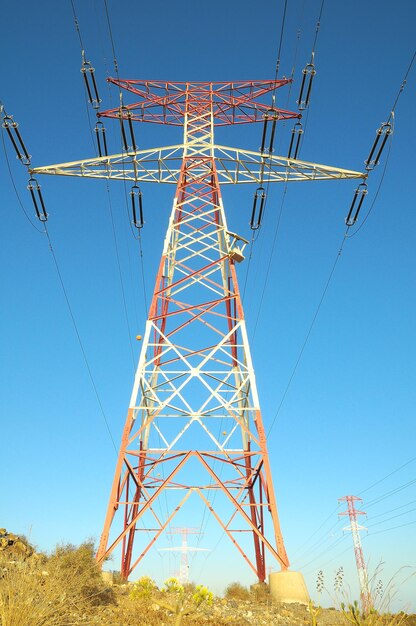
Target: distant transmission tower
x,y
184,549
194,427
355,528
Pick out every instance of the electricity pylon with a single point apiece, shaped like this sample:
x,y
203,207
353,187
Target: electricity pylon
x,y
355,528
184,549
194,425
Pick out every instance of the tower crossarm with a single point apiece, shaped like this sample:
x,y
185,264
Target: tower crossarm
x,y
232,102
163,165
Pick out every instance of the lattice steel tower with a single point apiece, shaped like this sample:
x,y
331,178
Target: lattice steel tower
x,y
194,425
355,528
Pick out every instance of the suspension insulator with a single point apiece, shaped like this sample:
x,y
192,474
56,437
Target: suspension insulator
x,y
137,206
356,204
270,116
123,130
306,86
12,129
384,131
133,140
125,113
258,208
101,139
37,199
297,132
88,73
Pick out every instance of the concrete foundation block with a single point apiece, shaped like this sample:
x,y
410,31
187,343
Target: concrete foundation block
x,y
288,587
108,577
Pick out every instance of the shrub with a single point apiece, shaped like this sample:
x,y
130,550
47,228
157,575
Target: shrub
x,y
52,591
236,591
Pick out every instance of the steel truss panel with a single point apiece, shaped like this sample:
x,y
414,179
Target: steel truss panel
x,y
233,166
231,102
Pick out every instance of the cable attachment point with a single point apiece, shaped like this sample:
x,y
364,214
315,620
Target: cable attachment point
x,y
136,203
257,213
297,132
270,116
37,198
12,129
357,201
125,113
101,139
308,72
382,135
88,73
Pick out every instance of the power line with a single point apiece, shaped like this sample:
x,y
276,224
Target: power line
x,y
110,30
392,510
412,460
46,232
77,27
402,86
322,565
254,239
333,545
390,493
308,334
110,207
64,291
282,203
392,517
279,48
318,26
317,543
384,530
273,101
108,198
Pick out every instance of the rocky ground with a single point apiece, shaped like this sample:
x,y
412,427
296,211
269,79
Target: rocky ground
x,y
233,613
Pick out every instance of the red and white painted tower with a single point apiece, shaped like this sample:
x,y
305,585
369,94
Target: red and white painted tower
x,y
194,428
355,528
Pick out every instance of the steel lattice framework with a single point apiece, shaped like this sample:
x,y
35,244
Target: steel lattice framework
x,y
355,528
194,425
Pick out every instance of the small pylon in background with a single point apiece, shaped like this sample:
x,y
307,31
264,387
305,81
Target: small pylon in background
x,y
184,549
355,528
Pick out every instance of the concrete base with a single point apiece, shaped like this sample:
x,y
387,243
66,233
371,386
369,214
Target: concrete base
x,y
108,578
288,587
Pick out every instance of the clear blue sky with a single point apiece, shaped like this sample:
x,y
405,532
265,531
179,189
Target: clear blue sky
x,y
348,417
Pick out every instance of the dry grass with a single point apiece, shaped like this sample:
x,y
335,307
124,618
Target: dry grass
x,y
51,591
236,591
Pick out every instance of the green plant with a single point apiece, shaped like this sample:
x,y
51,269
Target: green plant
x,y
374,611
314,611
143,588
176,600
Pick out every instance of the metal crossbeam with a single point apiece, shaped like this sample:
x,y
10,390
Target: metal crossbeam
x,y
163,165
